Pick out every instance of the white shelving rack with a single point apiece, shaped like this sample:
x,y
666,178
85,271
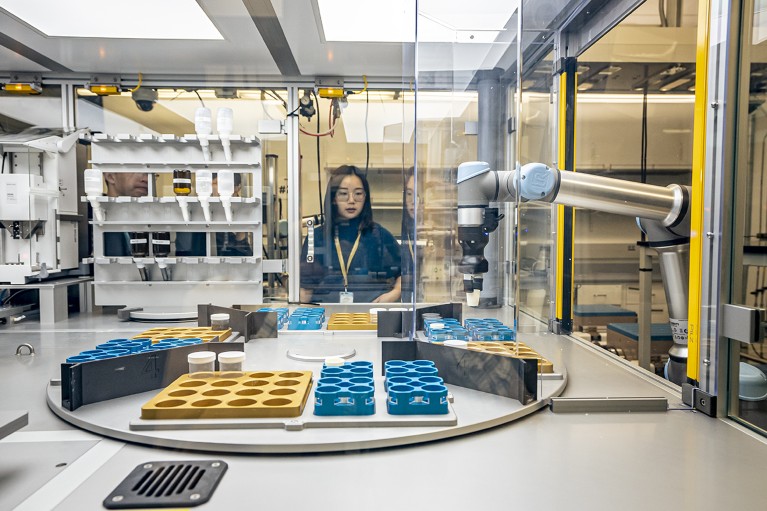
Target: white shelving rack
x,y
207,278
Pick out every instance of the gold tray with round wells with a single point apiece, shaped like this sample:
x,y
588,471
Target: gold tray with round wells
x,y
351,321
507,349
232,395
206,333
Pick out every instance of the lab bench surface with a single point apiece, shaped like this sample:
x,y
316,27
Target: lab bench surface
x,y
544,461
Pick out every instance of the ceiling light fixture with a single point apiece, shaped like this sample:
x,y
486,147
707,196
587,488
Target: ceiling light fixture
x,y
24,83
394,21
23,88
138,19
104,87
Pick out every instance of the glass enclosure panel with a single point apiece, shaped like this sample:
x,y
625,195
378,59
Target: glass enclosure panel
x,y
152,145
634,123
749,395
466,69
538,142
356,161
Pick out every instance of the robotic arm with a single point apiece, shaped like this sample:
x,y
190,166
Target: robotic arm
x,y
662,213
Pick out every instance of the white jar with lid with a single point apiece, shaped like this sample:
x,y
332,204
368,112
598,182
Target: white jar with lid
x,y
231,360
219,321
201,364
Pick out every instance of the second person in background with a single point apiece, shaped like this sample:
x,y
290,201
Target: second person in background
x,y
355,259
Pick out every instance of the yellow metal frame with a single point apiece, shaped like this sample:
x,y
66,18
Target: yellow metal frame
x,y
562,147
698,189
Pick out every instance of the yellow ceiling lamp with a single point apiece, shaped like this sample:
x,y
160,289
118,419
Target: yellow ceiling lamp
x,y
28,88
104,89
105,86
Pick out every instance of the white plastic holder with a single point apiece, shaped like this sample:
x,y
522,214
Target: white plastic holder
x,y
204,190
98,211
205,203
163,264
203,126
227,203
93,184
184,203
141,267
225,122
205,145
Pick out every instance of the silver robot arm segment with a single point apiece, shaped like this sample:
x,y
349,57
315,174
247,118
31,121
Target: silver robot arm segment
x,y
664,210
478,186
662,213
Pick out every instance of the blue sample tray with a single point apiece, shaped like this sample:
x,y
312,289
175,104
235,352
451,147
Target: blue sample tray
x,y
414,388
120,347
345,390
306,318
282,314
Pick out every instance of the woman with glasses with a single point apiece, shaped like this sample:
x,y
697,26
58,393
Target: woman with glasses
x,y
351,258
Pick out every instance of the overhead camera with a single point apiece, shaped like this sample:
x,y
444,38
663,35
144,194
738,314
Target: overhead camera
x,y
144,98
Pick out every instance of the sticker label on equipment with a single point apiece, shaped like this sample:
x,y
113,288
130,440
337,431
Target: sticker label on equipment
x,y
11,197
679,330
161,242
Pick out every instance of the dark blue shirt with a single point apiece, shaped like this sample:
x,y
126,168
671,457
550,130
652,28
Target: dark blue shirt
x,y
373,269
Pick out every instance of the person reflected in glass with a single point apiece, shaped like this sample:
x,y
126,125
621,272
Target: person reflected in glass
x,y
123,184
410,255
355,259
126,184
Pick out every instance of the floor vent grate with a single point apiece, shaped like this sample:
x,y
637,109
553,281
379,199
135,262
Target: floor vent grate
x,y
167,484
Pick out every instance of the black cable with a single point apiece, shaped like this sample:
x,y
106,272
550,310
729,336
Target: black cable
x,y
14,295
293,113
319,173
199,97
2,167
367,138
643,149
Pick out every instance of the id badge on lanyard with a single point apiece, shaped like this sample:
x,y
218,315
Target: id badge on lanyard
x,y
345,296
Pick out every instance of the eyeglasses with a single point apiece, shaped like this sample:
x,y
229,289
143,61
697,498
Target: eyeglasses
x,y
358,195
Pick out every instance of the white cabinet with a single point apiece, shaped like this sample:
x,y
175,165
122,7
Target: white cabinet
x,y
208,274
589,294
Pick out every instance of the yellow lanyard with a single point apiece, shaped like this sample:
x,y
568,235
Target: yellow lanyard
x,y
344,265
410,246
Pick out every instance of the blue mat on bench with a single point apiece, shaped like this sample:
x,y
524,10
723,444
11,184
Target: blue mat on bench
x,y
658,331
602,310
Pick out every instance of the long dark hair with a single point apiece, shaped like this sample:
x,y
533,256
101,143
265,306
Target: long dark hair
x,y
336,176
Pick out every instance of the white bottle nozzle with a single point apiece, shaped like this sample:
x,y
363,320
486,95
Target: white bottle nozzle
x,y
204,189
94,187
142,271
182,201
203,126
164,269
227,202
225,191
225,123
